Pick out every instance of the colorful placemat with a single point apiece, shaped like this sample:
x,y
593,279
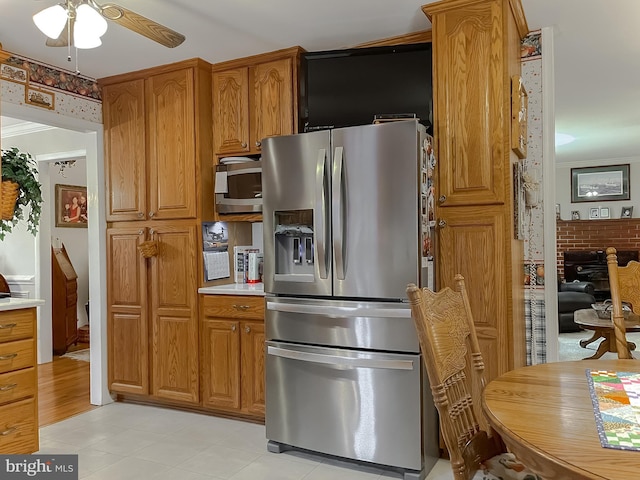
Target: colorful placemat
x,y
616,405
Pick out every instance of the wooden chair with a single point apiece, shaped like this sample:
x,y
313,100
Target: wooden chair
x,y
455,368
624,283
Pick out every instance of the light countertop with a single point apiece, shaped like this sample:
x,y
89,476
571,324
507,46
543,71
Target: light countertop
x,y
14,303
234,289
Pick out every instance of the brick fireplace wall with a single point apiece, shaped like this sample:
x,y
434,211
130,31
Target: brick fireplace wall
x,y
623,234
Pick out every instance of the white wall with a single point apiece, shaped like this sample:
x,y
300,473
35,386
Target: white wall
x,y
18,254
563,188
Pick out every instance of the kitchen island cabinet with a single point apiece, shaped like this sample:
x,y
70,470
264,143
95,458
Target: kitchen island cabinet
x,y
232,354
18,376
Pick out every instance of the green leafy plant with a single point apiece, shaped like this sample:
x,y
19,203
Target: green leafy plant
x,y
22,169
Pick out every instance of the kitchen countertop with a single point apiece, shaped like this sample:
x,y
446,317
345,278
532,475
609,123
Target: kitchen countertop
x,y
234,289
14,303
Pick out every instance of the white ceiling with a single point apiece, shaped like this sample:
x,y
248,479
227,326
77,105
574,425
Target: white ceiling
x,y
596,49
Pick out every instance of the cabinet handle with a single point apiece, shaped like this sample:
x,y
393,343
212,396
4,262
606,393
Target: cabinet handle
x,y
247,329
442,224
8,431
442,199
140,214
7,387
241,307
7,325
8,356
233,328
258,144
243,144
151,214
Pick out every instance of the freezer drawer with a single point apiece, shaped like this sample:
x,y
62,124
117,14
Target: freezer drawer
x,y
359,405
342,323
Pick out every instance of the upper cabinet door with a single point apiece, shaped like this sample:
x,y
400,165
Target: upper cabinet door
x,y
469,98
171,140
272,102
124,144
231,111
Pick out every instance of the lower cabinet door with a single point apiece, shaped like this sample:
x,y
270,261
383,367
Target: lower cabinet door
x,y
220,364
19,427
252,353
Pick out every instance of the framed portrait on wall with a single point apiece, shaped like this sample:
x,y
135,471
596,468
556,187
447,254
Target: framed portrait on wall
x,y
71,206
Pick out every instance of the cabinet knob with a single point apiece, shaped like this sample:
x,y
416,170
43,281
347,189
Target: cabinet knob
x,y
247,329
442,224
141,232
442,198
151,214
243,144
258,144
233,328
152,231
140,214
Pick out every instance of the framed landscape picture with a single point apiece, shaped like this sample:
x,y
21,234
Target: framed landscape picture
x,y
71,206
598,184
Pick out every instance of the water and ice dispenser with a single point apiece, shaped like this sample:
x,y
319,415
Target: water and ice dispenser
x,y
294,245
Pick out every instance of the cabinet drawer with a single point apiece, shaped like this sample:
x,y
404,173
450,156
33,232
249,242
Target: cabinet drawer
x,y
18,427
234,306
72,299
17,385
16,355
16,325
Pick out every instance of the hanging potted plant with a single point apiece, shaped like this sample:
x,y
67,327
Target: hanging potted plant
x,y
20,188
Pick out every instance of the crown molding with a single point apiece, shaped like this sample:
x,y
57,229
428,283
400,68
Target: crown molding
x,y
24,128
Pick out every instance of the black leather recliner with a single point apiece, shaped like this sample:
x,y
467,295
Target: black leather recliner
x,y
571,297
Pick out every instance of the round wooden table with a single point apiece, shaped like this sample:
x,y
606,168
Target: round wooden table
x,y
603,328
545,416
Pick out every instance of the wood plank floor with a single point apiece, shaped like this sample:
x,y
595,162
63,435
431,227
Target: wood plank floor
x,y
63,389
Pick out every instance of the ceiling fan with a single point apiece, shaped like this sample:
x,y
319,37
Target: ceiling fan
x,y
81,23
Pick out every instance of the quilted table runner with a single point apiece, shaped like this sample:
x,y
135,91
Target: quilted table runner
x,y
616,404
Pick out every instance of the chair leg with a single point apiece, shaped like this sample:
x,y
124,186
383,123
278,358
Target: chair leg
x,y
596,335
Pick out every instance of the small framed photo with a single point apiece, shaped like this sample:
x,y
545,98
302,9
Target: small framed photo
x,y
575,215
594,212
39,97
71,206
14,74
557,211
604,212
627,212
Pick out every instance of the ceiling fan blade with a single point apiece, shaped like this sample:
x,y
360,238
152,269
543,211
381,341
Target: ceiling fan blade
x,y
63,38
142,25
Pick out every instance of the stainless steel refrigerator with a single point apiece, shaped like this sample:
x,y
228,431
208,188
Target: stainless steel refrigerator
x,y
348,217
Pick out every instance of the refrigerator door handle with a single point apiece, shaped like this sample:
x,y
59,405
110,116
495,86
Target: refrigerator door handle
x,y
320,213
339,361
338,212
339,312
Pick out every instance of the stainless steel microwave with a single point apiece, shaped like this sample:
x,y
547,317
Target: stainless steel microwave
x,y
238,187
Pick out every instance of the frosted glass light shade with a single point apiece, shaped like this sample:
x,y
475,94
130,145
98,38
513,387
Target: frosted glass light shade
x,y
91,20
51,21
84,36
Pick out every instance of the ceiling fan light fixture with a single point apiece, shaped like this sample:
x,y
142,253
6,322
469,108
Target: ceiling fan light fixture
x,y
51,21
91,20
85,38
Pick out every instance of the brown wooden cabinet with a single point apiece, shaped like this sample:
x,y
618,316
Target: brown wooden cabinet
x,y
152,327
254,98
64,301
476,51
158,143
18,382
232,358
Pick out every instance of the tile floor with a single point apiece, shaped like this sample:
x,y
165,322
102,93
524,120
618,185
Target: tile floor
x,y
124,441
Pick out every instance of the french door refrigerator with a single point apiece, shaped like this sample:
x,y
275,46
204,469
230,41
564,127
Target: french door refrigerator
x,y
348,217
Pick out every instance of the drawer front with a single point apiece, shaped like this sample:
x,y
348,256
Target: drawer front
x,y
16,325
19,427
72,299
234,306
17,385
16,355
